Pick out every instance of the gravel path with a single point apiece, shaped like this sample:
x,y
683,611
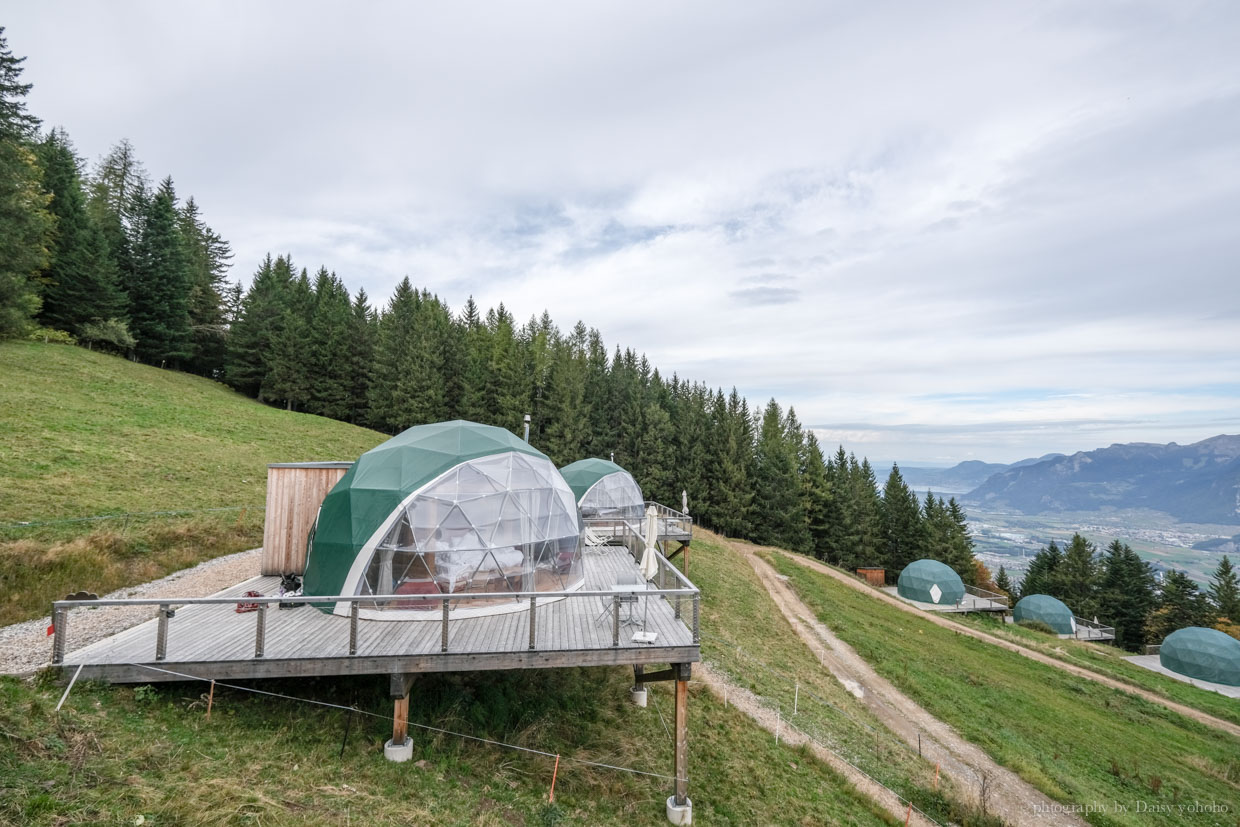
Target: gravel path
x,y
26,647
1017,801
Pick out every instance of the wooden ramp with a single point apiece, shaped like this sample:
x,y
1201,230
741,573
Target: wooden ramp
x,y
204,639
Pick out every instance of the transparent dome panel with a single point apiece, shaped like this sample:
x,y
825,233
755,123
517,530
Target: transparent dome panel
x,y
614,497
493,525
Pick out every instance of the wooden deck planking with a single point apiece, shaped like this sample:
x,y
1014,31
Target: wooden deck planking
x,y
306,641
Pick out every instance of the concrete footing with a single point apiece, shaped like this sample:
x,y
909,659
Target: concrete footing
x,y
679,813
398,752
638,696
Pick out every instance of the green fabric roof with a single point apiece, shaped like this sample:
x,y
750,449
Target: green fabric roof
x,y
381,479
1049,610
929,581
582,474
1204,654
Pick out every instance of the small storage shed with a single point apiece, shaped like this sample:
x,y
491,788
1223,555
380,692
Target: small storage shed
x,y
1204,654
873,575
449,508
1046,609
929,581
604,490
295,490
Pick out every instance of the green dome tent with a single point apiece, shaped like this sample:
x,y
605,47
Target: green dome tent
x,y
450,508
929,581
604,490
1204,654
1048,610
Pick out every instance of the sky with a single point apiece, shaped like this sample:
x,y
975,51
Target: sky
x,y
941,231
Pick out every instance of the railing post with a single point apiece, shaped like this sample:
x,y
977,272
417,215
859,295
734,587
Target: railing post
x,y
353,627
60,618
161,633
533,603
677,606
260,631
697,600
443,640
615,620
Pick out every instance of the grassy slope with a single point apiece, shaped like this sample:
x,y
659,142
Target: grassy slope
x,y
1079,742
1109,661
84,434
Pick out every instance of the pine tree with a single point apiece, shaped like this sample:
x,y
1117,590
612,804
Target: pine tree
x,y
1040,574
251,336
289,375
904,532
208,258
363,332
1180,604
816,496
327,348
1076,580
117,198
778,514
25,223
1004,582
1126,595
79,285
159,295
1224,591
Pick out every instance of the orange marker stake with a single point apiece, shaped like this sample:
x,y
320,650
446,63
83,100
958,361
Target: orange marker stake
x,y
210,699
554,773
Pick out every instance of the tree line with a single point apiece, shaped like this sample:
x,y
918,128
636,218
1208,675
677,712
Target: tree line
x,y
108,258
1121,590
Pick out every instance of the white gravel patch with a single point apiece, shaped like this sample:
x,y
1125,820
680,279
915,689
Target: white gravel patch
x,y
27,647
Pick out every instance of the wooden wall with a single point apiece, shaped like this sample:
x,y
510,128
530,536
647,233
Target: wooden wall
x,y
873,576
295,490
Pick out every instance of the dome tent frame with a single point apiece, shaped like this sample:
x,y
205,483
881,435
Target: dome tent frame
x,y
596,482
379,509
1203,654
1045,609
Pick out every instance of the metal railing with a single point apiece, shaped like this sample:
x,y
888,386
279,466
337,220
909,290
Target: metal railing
x,y
983,594
167,609
672,523
1092,630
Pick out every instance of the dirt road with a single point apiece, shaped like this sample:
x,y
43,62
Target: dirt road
x,y
1079,671
997,788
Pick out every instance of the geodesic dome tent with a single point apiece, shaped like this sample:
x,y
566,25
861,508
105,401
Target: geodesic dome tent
x,y
1048,610
604,490
929,581
446,509
1205,654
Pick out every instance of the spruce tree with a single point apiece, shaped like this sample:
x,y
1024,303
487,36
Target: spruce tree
x,y
1040,574
904,534
1180,604
778,515
1077,579
816,496
1126,595
363,332
25,223
1004,582
208,259
159,294
79,285
1224,591
251,336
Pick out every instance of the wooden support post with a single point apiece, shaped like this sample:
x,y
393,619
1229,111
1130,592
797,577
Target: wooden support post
x,y
680,763
638,672
615,620
400,721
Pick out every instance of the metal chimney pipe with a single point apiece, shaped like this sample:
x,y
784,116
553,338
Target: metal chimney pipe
x,y
527,427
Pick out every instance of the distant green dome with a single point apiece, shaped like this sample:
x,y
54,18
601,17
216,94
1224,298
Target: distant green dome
x,y
1048,610
446,508
929,581
1204,654
605,491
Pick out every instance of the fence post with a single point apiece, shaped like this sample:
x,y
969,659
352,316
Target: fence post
x,y
161,633
533,620
443,641
60,618
353,627
260,632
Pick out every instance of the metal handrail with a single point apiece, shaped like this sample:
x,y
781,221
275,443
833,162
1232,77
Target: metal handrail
x,y
1093,627
985,594
61,609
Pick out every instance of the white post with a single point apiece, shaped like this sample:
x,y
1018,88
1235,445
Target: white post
x,y
796,697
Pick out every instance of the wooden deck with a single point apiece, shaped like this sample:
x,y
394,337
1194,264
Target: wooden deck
x,y
969,603
215,641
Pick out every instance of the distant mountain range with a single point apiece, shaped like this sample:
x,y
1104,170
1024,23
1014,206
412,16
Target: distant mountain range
x,y
962,477
1198,483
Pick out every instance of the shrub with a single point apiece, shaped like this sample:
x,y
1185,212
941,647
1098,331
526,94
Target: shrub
x,y
1037,626
111,335
49,335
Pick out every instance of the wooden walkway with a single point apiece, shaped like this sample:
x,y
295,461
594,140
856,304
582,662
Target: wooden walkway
x,y
968,603
215,641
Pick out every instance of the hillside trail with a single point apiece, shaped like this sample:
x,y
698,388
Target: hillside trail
x,y
995,788
768,719
1080,671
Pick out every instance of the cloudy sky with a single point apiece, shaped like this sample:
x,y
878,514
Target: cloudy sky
x,y
942,231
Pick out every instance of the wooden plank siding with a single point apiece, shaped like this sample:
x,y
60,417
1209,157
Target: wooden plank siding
x,y
294,493
214,641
